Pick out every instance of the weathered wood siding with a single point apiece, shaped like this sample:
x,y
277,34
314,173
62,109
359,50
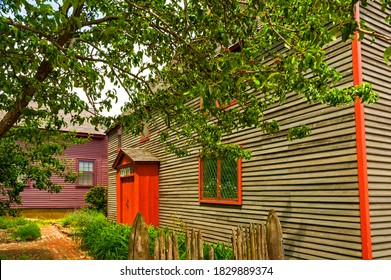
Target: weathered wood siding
x,y
378,131
112,196
311,183
71,197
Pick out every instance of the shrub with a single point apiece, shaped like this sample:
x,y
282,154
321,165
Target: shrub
x,y
28,232
81,218
97,198
106,240
6,223
221,251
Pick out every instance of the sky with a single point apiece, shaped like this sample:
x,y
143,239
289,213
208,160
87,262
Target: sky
x,y
116,110
121,94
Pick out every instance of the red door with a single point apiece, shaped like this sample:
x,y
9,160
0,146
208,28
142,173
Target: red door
x,y
128,199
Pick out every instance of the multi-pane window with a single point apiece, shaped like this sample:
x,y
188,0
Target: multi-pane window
x,y
119,139
126,171
145,131
85,173
220,180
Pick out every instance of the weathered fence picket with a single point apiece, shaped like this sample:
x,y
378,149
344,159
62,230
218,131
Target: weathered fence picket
x,y
259,241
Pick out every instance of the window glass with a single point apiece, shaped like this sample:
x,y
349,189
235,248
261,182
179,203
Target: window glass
x,y
145,131
229,178
220,181
86,173
126,171
210,178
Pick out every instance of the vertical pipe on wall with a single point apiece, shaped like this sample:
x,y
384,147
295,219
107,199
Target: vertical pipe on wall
x,y
361,149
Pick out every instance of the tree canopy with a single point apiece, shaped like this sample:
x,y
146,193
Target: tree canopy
x,y
164,54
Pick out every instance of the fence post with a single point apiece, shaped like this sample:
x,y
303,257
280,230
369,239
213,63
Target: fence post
x,y
211,253
194,248
265,255
175,246
240,243
234,242
252,242
169,246
200,246
156,249
162,246
139,240
188,245
274,236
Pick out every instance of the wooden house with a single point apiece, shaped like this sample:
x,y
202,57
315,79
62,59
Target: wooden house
x,y
331,190
88,160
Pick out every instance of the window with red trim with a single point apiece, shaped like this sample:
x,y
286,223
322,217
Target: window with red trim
x,y
119,139
220,180
145,132
86,173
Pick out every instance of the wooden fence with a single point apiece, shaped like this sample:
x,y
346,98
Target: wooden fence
x,y
259,241
254,242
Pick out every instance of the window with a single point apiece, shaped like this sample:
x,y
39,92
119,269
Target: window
x,y
220,181
145,132
119,138
123,172
85,173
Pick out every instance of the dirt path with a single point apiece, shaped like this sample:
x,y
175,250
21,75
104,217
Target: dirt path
x,y
53,245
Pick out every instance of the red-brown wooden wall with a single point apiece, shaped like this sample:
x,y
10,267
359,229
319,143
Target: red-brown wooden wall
x,y
71,196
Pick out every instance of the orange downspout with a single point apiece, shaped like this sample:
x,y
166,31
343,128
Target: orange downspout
x,y
362,166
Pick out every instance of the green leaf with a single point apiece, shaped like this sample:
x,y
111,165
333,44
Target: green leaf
x,y
387,55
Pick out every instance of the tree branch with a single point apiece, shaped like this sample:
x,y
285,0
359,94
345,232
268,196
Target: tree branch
x,y
101,20
24,27
374,34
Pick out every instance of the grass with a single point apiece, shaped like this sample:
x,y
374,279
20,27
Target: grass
x,y
20,228
81,218
9,223
27,232
4,257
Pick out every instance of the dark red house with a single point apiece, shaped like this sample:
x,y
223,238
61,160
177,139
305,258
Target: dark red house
x,y
89,160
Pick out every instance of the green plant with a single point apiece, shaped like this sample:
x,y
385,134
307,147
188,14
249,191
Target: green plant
x,y
97,198
24,257
81,218
106,240
7,223
28,232
221,251
4,257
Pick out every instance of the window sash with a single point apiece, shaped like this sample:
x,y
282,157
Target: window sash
x,y
220,180
144,136
85,173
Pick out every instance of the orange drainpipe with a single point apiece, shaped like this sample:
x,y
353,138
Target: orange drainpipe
x,y
361,149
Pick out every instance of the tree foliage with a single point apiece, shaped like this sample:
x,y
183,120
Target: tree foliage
x,y
164,54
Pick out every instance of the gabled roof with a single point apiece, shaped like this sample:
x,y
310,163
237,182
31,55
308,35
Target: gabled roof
x,y
86,127
135,155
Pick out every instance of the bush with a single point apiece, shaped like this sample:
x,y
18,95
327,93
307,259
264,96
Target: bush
x,y
28,232
6,223
97,198
106,240
81,218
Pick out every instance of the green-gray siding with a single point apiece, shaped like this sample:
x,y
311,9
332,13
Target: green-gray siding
x,y
378,131
311,183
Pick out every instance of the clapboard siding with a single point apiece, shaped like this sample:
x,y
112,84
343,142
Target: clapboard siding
x,y
112,195
378,132
311,183
71,196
